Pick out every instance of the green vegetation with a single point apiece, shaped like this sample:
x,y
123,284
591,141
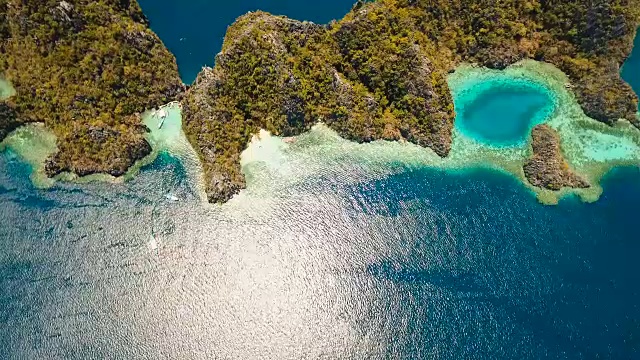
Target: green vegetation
x,y
85,69
380,72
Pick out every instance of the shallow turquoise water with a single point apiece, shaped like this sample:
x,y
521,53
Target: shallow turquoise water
x,y
504,114
6,90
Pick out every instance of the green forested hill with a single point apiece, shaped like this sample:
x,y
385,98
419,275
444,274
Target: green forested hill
x,y
380,72
88,68
85,68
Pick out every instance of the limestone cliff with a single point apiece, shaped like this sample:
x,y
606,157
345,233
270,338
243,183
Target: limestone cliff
x,y
547,167
380,72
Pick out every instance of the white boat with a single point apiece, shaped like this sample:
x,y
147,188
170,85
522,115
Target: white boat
x,y
153,244
162,114
171,197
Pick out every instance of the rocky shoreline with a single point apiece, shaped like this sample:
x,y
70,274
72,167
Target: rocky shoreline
x,y
87,69
8,121
547,167
380,73
221,115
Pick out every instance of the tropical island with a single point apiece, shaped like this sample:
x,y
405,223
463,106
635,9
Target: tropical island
x,y
88,69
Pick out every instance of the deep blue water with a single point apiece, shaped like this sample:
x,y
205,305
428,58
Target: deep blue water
x,y
631,69
463,265
504,115
194,30
422,264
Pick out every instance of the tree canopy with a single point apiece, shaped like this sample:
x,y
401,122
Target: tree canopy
x,y
85,69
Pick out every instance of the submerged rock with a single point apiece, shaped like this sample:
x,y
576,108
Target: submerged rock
x,y
547,167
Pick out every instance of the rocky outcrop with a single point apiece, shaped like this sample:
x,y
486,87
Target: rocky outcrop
x,y
121,150
8,121
86,69
547,167
284,76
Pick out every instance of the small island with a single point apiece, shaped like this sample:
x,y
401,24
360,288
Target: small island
x,y
547,167
88,70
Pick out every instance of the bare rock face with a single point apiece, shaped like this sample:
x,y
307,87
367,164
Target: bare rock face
x,y
8,121
66,15
547,168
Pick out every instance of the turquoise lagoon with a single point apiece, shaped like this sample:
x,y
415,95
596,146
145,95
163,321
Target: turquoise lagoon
x,y
496,112
501,112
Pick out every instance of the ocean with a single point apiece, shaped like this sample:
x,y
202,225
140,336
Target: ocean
x,y
335,250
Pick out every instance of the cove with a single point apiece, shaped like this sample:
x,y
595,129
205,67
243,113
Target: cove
x,y
591,148
502,112
194,30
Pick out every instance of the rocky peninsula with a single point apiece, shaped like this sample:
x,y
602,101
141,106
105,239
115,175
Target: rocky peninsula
x,y
547,168
380,72
85,69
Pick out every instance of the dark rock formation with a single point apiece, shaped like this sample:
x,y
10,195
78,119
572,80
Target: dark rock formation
x,y
547,167
121,150
8,121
